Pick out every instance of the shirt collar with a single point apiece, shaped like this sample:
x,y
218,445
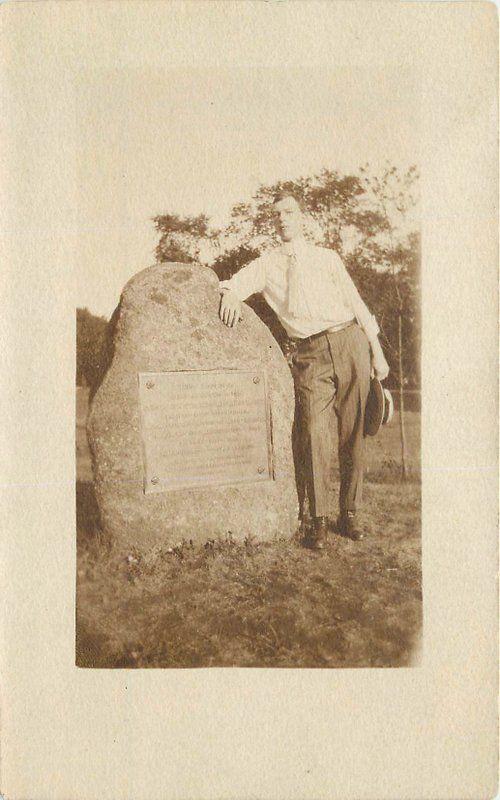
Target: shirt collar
x,y
294,246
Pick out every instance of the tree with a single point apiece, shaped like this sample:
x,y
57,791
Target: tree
x,y
344,212
182,238
333,203
394,193
368,218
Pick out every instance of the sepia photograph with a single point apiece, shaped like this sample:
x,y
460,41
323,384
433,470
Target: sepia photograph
x,y
249,457
248,389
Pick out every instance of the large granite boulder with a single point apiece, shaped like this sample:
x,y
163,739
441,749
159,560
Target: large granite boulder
x,y
167,320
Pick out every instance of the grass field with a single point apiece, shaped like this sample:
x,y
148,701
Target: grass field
x,y
259,605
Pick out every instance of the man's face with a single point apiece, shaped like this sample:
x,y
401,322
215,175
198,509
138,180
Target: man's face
x,y
289,218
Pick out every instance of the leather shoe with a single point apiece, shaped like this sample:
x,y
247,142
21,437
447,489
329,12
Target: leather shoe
x,y
316,538
349,528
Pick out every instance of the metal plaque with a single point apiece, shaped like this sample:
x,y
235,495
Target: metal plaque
x,y
204,428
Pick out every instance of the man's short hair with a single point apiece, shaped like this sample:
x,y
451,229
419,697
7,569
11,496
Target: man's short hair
x,y
283,195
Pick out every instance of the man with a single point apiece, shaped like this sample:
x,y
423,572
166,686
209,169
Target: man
x,y
337,348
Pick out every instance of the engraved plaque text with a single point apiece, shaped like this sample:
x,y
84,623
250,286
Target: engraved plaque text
x,y
204,428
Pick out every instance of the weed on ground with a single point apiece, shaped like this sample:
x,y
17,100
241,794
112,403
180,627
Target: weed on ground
x,y
275,604
250,604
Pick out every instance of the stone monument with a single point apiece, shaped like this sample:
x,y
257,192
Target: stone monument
x,y
190,426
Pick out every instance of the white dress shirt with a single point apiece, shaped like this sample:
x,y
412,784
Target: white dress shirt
x,y
329,294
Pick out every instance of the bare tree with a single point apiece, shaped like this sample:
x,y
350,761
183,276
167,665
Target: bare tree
x,y
396,196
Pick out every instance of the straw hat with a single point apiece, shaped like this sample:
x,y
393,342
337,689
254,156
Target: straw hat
x,y
379,407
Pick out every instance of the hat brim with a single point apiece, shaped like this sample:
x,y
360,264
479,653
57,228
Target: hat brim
x,y
375,409
388,408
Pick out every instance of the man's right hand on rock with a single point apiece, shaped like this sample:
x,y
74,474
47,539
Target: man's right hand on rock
x,y
230,308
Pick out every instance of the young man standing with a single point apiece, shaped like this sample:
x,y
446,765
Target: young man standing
x,y
337,349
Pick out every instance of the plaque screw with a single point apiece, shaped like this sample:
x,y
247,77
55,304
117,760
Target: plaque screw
x,y
155,480
260,470
256,379
150,384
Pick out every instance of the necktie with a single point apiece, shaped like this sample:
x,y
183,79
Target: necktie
x,y
298,305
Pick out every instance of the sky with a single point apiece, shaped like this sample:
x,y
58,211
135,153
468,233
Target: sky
x,y
157,137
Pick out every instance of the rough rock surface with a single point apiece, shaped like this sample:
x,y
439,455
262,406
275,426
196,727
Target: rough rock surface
x,y
167,320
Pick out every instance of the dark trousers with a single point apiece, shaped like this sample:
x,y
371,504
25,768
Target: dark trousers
x,y
332,378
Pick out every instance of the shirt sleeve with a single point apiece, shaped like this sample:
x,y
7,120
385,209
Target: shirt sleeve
x,y
248,280
365,319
